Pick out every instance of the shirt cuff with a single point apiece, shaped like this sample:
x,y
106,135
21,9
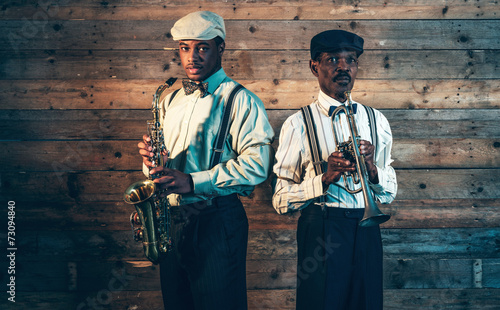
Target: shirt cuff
x,y
202,183
318,189
378,188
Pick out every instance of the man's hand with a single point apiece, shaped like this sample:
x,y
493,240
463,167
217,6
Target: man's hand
x,y
145,149
172,181
337,165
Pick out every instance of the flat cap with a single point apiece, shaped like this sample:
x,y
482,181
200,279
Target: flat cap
x,y
331,40
200,25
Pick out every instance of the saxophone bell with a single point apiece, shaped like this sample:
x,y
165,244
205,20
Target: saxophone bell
x,y
140,195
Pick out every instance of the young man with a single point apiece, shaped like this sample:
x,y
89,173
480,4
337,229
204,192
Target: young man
x,y
339,262
206,267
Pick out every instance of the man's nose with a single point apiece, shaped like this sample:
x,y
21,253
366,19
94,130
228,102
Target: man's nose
x,y
193,55
342,65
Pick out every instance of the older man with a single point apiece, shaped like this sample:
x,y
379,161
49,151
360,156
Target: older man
x,y
206,268
339,262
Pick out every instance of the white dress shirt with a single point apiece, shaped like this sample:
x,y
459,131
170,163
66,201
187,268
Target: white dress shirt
x,y
296,184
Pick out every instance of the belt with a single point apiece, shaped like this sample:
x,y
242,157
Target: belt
x,y
203,206
331,212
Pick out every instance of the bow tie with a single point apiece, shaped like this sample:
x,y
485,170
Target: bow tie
x,y
332,108
190,87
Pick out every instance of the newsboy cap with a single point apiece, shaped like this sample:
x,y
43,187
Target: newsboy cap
x,y
331,40
200,25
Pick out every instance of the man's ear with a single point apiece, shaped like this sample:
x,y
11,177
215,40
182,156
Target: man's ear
x,y
313,65
222,48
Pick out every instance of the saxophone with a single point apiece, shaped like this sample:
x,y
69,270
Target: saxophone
x,y
151,220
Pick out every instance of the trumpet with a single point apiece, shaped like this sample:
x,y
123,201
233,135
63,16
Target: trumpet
x,y
350,148
151,220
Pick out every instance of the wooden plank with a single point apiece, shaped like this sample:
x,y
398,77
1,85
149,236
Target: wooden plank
x,y
124,155
271,299
99,125
70,155
81,246
288,10
427,299
408,299
443,213
445,153
88,186
253,34
42,301
105,216
243,64
276,94
405,273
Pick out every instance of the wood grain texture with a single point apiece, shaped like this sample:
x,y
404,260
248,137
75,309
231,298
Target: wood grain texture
x,y
51,246
261,275
123,155
411,299
76,84
244,64
86,186
263,34
252,10
102,125
276,94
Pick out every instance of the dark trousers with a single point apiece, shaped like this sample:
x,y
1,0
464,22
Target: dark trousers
x,y
206,269
339,263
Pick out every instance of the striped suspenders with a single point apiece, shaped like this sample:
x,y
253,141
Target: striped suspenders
x,y
312,135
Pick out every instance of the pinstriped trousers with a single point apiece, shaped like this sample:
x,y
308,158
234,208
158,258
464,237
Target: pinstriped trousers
x,y
339,263
206,270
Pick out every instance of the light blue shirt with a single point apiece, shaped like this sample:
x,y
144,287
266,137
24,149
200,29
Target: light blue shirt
x,y
190,126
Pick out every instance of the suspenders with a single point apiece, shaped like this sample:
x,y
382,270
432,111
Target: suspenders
x,y
373,126
224,128
312,135
224,125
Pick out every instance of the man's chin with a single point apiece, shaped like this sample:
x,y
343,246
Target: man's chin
x,y
343,83
195,77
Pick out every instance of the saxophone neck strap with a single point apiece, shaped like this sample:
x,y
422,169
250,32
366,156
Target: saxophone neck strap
x,y
173,96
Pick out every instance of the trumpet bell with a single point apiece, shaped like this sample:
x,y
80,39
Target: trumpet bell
x,y
373,217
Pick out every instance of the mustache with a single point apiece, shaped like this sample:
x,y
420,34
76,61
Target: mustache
x,y
193,65
342,75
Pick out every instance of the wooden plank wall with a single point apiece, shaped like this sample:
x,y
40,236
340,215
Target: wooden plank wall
x,y
77,78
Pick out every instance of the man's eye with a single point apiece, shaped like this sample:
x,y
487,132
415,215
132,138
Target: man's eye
x,y
334,60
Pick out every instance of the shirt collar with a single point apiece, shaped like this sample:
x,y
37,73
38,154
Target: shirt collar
x,y
215,80
325,102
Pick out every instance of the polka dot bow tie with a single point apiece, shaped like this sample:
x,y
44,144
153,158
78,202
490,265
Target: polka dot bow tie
x,y
190,87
